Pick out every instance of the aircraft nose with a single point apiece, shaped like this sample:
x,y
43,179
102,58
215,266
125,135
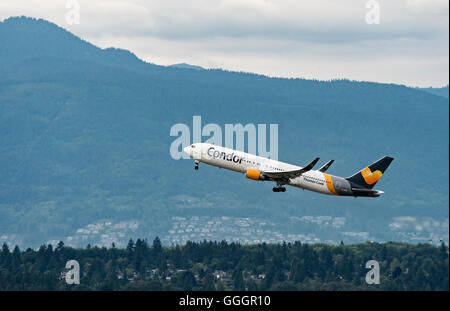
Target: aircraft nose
x,y
186,149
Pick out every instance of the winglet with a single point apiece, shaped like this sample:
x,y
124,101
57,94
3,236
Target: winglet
x,y
310,165
325,166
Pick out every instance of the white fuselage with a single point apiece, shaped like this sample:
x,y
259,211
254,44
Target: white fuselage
x,y
241,162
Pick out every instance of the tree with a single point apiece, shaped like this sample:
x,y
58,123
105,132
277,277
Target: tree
x,y
239,283
140,255
157,248
397,272
208,282
60,246
298,271
185,280
443,251
16,258
5,256
130,249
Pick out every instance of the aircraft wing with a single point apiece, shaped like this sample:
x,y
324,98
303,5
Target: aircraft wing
x,y
290,174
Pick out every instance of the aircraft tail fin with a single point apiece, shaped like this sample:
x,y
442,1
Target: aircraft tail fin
x,y
368,176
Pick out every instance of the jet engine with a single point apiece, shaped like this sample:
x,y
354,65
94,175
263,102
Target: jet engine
x,y
254,174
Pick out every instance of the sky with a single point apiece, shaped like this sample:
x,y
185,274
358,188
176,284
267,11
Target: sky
x,y
390,41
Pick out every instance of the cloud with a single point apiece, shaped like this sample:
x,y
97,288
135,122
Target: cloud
x,y
319,20
320,38
283,19
432,7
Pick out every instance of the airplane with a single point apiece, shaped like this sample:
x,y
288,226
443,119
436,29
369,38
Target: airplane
x,y
255,167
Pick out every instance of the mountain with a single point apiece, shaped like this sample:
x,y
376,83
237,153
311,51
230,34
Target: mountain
x,y
85,140
439,91
186,66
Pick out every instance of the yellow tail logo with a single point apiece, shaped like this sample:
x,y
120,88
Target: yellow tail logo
x,y
370,177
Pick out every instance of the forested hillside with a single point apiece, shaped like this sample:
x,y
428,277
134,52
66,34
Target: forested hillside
x,y
84,140
224,266
439,91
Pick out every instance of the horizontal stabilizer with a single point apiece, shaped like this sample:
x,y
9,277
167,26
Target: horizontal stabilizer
x,y
366,192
